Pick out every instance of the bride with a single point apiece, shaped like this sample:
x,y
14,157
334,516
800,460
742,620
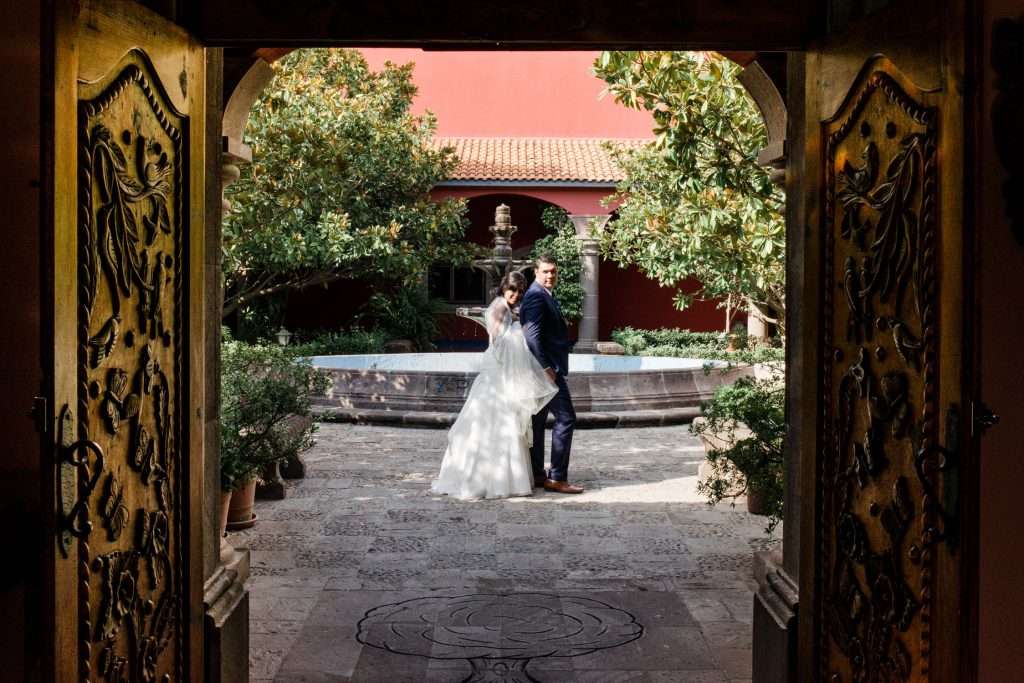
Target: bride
x,y
488,451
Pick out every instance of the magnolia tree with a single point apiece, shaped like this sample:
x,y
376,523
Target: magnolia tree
x,y
338,186
696,203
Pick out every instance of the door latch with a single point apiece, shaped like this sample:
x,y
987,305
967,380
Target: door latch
x,y
38,413
982,418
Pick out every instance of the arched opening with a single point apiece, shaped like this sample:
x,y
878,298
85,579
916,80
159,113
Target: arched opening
x,y
627,298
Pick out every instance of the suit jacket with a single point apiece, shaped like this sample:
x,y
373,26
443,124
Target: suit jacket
x,y
544,326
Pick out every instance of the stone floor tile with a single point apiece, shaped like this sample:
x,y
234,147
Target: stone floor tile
x,y
275,627
309,677
669,648
714,676
363,530
265,654
705,608
655,610
735,662
282,609
610,676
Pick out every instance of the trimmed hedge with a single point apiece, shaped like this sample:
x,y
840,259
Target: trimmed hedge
x,y
680,343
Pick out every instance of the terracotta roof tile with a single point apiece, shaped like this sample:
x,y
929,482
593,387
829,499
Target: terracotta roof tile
x,y
537,159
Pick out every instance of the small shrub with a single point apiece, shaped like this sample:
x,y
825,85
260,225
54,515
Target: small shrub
x,y
704,345
751,462
262,387
407,312
353,340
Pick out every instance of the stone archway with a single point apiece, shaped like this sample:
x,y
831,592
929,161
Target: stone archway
x,y
755,77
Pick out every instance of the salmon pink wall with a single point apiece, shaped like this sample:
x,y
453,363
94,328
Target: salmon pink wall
x,y
627,298
515,94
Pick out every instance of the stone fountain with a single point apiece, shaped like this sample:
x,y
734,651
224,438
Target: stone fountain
x,y
497,265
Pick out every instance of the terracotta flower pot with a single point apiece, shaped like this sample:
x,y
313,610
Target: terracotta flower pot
x,y
757,501
240,514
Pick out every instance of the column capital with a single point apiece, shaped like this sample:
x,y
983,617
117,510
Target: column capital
x,y
588,224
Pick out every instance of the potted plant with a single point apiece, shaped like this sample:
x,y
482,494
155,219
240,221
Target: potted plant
x,y
744,425
262,387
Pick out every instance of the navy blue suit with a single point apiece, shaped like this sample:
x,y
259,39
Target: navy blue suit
x,y
547,335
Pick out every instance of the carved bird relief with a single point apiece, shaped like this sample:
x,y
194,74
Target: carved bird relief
x,y
907,345
105,340
154,171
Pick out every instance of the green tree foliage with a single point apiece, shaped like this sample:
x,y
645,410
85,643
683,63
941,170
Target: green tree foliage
x,y
561,243
338,186
696,203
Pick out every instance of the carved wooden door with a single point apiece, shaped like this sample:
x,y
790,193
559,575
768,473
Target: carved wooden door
x,y
127,213
885,141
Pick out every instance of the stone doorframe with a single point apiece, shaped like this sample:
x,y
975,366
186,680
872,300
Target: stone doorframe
x,y
777,598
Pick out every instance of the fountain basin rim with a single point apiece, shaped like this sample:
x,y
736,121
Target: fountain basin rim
x,y
433,363
617,391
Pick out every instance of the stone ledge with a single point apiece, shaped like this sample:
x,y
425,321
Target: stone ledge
x,y
226,618
439,420
610,348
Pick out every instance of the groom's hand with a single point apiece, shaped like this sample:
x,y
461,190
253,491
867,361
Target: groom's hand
x,y
551,374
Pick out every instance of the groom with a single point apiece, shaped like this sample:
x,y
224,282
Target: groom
x,y
547,335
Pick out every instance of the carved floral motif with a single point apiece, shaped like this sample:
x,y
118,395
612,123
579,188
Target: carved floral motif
x,y
880,199
130,366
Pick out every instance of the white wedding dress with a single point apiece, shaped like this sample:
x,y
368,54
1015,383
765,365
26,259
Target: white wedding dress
x,y
488,452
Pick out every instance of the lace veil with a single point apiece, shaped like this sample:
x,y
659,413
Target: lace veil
x,y
526,386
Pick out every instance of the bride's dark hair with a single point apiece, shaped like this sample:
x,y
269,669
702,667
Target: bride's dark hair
x,y
513,280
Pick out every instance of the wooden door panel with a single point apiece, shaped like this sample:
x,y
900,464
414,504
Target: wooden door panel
x,y
886,591
881,202
124,566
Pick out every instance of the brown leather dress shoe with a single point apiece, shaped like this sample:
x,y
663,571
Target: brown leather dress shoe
x,y
538,482
561,487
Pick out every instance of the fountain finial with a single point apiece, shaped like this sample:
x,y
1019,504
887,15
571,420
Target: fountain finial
x,y
499,263
502,231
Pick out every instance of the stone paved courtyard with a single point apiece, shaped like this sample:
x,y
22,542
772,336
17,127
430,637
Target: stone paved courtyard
x,y
363,575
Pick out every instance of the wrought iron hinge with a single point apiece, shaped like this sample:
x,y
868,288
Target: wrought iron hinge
x,y
943,462
39,414
79,466
981,418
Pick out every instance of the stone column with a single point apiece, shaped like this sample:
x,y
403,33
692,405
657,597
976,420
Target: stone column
x,y
777,600
232,154
225,596
586,226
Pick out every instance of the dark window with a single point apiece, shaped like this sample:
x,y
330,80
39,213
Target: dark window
x,y
457,285
439,282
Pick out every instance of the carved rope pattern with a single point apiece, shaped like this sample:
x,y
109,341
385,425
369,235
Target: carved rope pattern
x,y
878,80
928,225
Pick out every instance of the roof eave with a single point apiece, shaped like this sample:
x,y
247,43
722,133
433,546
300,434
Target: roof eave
x,y
602,184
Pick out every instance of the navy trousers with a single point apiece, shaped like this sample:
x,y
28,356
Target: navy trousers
x,y
561,435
